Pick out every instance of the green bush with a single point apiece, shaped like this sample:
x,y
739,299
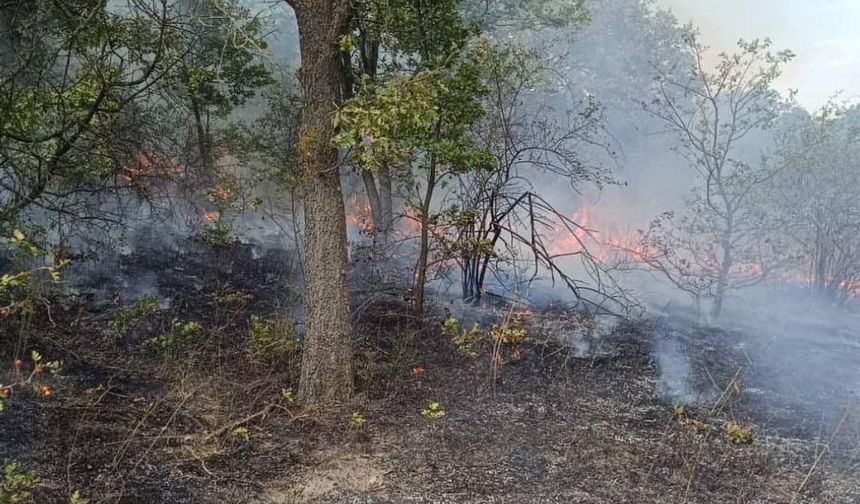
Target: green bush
x,y
272,341
463,340
17,485
180,335
510,333
76,498
125,317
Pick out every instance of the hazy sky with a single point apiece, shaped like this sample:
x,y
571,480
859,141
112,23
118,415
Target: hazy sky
x,y
824,35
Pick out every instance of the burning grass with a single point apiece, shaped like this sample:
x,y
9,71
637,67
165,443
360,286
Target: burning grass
x,y
576,417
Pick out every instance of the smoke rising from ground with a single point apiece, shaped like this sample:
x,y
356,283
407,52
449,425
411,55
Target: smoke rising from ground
x,y
802,350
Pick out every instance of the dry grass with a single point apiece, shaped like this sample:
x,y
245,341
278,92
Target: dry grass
x,y
554,424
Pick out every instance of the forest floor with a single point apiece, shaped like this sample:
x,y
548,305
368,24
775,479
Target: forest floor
x,y
548,422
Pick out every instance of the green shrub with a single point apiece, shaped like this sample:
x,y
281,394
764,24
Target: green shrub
x,y
433,411
219,234
272,341
17,485
179,336
507,334
357,421
76,498
125,317
463,340
739,434
23,284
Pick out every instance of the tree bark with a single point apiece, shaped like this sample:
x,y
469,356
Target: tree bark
x,y
204,139
421,270
378,189
8,38
16,52
386,202
373,199
377,185
326,373
724,274
418,289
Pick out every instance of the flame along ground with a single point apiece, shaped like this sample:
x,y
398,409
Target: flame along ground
x,y
607,241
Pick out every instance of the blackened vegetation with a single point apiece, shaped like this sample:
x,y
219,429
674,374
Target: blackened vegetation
x,y
547,422
762,378
132,423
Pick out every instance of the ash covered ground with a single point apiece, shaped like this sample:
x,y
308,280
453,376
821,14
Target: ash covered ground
x,y
582,411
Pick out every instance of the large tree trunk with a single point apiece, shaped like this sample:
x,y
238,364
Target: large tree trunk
x,y
327,360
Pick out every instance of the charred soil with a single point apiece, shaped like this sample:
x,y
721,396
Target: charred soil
x,y
213,421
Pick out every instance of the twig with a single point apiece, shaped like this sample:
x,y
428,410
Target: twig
x,y
825,450
232,425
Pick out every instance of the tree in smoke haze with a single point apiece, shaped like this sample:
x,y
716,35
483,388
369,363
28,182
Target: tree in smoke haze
x,y
390,38
413,61
218,68
90,93
529,15
414,118
816,195
613,58
503,219
77,93
409,76
719,243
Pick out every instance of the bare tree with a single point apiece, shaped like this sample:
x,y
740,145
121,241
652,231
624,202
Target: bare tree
x,y
503,214
717,246
816,195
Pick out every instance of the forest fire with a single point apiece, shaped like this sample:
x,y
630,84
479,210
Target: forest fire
x,y
570,241
519,251
604,241
358,215
588,231
146,165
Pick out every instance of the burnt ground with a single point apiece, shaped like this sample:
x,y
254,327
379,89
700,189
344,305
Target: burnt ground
x,y
590,420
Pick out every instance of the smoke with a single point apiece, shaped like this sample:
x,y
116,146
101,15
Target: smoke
x,y
794,356
797,356
801,349
777,355
674,384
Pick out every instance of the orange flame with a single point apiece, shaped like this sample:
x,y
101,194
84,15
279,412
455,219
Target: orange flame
x,y
607,242
221,193
147,165
604,240
358,215
571,241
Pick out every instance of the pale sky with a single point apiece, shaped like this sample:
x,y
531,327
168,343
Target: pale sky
x,y
823,34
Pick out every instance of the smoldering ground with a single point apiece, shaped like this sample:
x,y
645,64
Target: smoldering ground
x,y
641,398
